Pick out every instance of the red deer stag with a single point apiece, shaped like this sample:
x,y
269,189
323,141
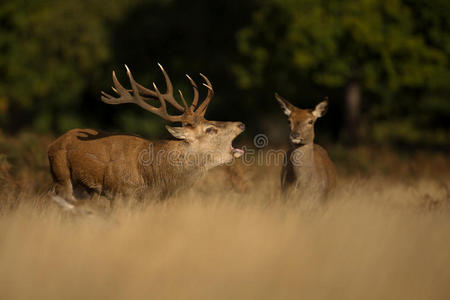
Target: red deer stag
x,y
112,164
308,169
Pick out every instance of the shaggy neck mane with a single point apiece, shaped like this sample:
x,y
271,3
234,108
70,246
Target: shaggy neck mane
x,y
171,166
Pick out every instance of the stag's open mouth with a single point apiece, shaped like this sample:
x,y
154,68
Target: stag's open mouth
x,y
237,152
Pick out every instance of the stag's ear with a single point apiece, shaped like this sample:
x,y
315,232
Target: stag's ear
x,y
286,107
321,108
181,133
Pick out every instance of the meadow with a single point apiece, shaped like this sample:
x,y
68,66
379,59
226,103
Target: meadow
x,y
384,234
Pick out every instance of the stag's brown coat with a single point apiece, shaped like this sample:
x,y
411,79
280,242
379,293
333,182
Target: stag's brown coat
x,y
100,163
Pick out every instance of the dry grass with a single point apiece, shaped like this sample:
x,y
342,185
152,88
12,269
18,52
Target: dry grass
x,y
385,234
375,239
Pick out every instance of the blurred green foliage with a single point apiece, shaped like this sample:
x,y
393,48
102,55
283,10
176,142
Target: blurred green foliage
x,y
397,51
56,57
50,56
374,41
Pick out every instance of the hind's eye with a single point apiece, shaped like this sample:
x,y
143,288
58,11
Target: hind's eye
x,y
310,121
211,130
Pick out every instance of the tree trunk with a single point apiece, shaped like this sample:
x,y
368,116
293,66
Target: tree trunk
x,y
352,111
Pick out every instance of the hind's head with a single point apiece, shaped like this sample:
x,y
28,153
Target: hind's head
x,y
301,121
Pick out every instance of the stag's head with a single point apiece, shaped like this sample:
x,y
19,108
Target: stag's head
x,y
301,121
202,136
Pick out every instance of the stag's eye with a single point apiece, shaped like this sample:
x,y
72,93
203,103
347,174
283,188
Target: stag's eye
x,y
310,121
211,130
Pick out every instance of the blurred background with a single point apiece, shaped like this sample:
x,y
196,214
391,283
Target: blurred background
x,y
384,64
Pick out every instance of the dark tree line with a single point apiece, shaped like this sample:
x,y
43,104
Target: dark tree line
x,y
384,64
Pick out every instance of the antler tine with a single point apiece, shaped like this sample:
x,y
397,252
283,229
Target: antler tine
x,y
136,98
195,88
168,82
137,94
163,106
168,95
125,96
134,87
162,110
184,100
202,108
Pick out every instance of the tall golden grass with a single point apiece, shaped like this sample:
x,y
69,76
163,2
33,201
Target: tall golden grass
x,y
374,239
384,234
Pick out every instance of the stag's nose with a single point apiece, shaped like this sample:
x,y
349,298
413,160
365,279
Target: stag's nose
x,y
294,135
241,126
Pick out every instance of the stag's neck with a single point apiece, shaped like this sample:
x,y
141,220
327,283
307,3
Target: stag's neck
x,y
172,164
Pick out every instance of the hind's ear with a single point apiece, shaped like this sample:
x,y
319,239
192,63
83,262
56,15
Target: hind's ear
x,y
321,108
286,107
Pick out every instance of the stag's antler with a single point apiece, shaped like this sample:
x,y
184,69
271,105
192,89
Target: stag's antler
x,y
191,114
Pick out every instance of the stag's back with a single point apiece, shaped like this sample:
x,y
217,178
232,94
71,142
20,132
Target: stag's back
x,y
96,160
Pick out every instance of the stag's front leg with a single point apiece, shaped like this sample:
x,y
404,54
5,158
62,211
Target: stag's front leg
x,y
65,191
